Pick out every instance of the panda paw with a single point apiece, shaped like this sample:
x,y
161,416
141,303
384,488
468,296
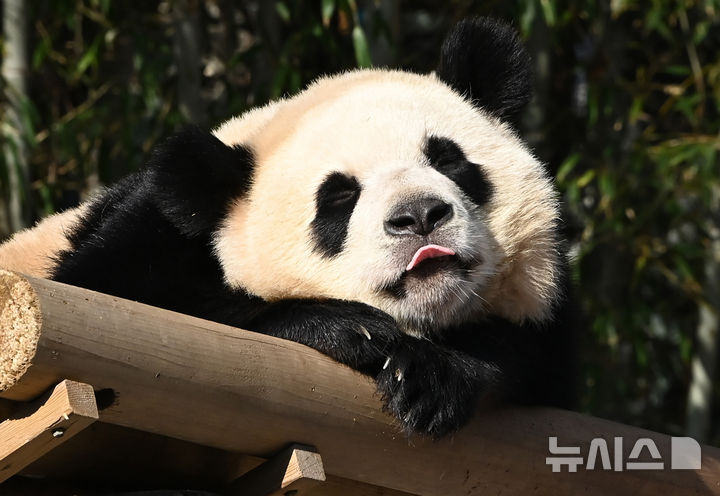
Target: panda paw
x,y
372,343
431,389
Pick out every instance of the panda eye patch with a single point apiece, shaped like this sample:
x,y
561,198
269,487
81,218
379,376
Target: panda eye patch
x,y
447,157
335,201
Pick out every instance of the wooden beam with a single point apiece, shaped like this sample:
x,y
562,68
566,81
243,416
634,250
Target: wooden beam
x,y
295,470
107,455
43,425
240,391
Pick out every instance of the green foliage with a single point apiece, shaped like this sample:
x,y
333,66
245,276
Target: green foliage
x,y
639,168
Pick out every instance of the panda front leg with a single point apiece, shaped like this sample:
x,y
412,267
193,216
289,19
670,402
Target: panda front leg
x,y
354,334
429,388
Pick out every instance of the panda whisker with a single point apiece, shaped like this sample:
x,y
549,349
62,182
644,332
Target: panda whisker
x,y
470,287
460,293
465,294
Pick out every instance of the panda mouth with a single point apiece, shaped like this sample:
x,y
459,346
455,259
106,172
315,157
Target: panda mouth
x,y
431,266
427,252
428,267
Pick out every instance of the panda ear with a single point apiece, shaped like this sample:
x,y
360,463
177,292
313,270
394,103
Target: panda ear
x,y
485,60
194,177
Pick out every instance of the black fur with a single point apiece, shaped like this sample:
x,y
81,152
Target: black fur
x,y
335,201
446,157
484,59
194,175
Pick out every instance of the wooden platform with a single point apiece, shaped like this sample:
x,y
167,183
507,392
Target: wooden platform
x,y
186,403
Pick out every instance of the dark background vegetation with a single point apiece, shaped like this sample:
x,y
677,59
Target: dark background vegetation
x,y
626,117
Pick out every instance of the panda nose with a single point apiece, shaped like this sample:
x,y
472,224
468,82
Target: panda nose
x,y
419,217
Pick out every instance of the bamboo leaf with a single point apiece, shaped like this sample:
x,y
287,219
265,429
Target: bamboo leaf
x,y
636,109
548,9
567,166
282,11
89,57
585,179
328,9
362,52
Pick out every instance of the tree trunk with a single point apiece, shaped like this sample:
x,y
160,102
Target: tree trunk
x,y
700,393
186,44
14,72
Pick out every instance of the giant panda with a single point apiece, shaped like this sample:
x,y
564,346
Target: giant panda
x,y
391,220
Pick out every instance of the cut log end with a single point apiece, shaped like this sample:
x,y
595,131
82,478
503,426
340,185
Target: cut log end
x,y
20,324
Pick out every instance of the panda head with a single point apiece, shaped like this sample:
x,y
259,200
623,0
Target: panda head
x,y
407,192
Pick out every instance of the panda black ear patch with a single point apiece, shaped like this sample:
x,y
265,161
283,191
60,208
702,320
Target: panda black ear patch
x,y
485,60
195,176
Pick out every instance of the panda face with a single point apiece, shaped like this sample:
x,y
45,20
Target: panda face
x,y
391,189
416,244
418,233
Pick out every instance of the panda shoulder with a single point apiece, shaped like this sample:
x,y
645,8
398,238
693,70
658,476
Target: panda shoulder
x,y
33,251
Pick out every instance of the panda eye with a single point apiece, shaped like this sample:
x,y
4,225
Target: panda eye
x,y
338,190
450,167
341,198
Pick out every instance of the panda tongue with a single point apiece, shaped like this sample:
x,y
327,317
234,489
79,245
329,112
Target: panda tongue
x,y
428,251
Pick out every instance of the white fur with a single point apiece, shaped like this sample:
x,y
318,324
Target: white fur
x,y
32,251
373,125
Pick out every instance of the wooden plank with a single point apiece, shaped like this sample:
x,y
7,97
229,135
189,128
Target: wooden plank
x,y
33,431
240,391
295,470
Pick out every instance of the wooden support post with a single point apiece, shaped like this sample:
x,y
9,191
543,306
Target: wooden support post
x,y
293,471
37,428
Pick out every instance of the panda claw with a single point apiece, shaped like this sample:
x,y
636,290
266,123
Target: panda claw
x,y
365,332
387,362
399,375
